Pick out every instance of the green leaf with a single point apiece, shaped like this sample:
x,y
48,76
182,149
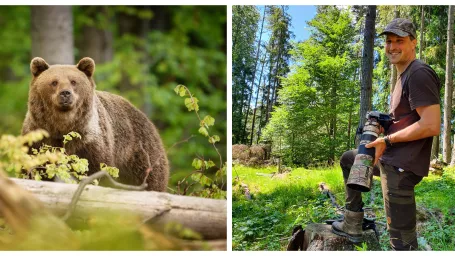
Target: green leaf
x,y
70,136
214,139
197,163
191,104
221,172
209,164
113,171
180,90
37,176
196,176
203,131
208,121
204,180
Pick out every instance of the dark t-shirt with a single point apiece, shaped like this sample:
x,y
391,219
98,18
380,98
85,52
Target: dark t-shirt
x,y
418,86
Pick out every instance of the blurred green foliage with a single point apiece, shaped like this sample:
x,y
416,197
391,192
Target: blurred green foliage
x,y
179,45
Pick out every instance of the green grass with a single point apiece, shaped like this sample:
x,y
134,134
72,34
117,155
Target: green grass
x,y
281,202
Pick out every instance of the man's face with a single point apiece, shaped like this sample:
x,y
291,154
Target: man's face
x,y
400,50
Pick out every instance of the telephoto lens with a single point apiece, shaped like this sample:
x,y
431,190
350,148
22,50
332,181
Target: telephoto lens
x,y
361,175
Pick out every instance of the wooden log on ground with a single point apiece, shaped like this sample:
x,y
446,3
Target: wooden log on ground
x,y
205,216
319,237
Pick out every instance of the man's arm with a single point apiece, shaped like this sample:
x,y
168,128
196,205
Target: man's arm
x,y
428,126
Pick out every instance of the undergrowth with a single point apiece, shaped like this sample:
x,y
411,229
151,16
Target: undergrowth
x,y
280,202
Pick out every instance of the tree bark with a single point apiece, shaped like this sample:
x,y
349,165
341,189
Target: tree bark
x,y
52,34
446,143
367,64
205,216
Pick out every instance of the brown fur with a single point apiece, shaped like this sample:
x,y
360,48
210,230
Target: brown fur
x,y
113,131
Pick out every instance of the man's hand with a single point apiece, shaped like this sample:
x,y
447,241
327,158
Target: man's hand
x,y
379,145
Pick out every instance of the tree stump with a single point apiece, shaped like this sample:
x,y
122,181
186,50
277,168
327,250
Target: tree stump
x,y
319,237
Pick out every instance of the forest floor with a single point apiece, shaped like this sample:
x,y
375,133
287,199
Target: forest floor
x,y
280,202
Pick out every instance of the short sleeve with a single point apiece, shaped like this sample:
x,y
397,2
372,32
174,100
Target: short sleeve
x,y
423,88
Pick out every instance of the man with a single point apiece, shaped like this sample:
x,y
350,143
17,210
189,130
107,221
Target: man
x,y
404,154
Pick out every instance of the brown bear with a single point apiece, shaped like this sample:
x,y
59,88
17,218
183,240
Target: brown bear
x,y
62,98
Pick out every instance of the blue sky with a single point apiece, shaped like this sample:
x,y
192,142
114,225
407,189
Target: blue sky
x,y
300,14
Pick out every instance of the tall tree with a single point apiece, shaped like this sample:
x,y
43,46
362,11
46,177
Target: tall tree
x,y
251,89
448,92
422,38
308,123
279,23
367,64
256,102
244,25
52,34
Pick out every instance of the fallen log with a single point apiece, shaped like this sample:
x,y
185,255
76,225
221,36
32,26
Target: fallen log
x,y
202,215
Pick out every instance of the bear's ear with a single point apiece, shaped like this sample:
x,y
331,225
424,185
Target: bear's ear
x,y
87,65
37,66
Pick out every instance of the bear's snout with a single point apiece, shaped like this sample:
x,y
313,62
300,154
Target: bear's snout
x,y
65,93
65,98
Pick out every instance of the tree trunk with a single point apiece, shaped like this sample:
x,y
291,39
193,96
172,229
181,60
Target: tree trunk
x,y
446,143
254,77
348,144
367,64
147,107
449,85
95,42
333,123
243,87
422,39
52,34
256,103
319,237
269,86
435,148
393,75
275,80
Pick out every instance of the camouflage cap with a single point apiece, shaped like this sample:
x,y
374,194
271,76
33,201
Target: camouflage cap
x,y
400,27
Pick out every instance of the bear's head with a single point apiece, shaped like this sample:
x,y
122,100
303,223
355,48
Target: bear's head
x,y
63,88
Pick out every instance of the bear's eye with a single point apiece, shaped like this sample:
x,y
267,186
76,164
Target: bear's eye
x,y
54,83
73,82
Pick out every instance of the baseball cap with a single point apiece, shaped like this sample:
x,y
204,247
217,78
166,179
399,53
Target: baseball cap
x,y
400,27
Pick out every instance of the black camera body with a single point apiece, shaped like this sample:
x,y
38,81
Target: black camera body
x,y
384,120
361,175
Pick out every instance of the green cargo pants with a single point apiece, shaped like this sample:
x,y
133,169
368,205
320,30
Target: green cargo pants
x,y
399,202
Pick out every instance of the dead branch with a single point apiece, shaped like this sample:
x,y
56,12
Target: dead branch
x,y
325,190
99,175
